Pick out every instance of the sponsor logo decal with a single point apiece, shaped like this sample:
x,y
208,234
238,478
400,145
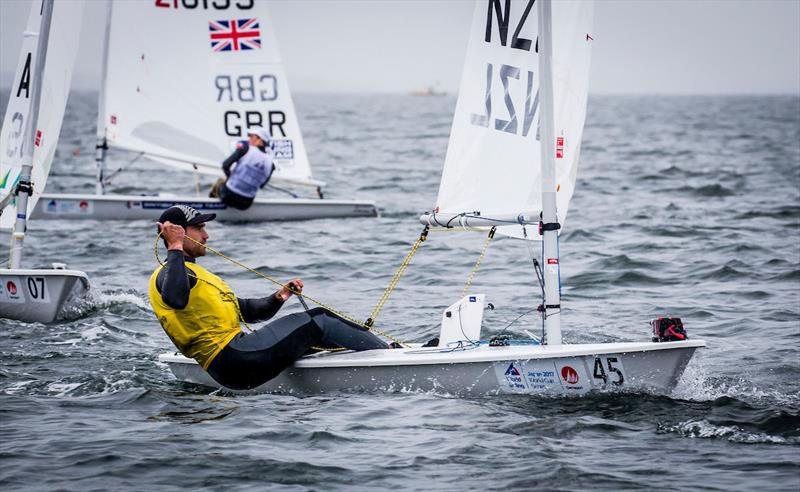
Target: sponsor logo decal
x,y
569,375
473,299
38,141
11,288
511,371
560,148
512,379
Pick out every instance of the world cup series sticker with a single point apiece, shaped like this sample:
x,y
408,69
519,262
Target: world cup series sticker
x,y
531,376
541,376
58,207
547,376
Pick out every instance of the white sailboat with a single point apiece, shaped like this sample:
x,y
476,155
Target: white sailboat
x,y
27,145
511,81
181,85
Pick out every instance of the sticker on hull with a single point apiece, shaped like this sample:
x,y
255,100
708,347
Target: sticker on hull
x,y
70,207
11,290
553,376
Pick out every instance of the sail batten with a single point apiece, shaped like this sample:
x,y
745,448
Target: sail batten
x,y
493,162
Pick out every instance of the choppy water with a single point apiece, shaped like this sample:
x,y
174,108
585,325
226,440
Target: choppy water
x,y
685,205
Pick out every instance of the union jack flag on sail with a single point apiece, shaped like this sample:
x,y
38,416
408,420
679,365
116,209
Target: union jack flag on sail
x,y
235,35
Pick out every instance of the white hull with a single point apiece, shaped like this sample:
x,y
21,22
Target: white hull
x,y
135,207
545,370
39,295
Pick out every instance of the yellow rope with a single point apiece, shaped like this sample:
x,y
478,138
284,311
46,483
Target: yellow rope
x,y
293,291
396,278
480,259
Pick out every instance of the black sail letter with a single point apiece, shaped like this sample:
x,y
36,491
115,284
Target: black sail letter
x,y
516,41
502,20
25,80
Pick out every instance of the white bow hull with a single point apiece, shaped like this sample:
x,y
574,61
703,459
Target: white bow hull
x,y
542,370
39,295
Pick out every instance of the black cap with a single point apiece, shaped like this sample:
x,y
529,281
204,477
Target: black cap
x,y
184,215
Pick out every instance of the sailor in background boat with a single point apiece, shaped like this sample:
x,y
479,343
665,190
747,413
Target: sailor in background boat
x,y
201,314
247,170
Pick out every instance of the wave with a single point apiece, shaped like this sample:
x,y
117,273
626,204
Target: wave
x,y
733,433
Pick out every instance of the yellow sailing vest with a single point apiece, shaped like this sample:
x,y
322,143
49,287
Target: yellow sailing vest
x,y
208,322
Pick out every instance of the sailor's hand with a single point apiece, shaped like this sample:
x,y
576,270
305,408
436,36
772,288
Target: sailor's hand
x,y
173,234
295,285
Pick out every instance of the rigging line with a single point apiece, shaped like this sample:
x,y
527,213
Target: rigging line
x,y
287,287
536,266
278,188
452,219
505,328
480,259
396,278
107,180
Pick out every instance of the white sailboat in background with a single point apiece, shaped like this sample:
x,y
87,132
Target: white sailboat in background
x,y
181,86
513,155
27,146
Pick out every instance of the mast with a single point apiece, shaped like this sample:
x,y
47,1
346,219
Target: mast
x,y
102,145
25,187
550,225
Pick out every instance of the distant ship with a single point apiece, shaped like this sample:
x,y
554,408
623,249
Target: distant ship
x,y
429,91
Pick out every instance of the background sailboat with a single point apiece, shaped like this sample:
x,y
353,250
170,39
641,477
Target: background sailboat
x,y
27,146
532,63
181,86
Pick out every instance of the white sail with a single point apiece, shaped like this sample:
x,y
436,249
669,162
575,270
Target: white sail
x,y
56,79
493,163
184,84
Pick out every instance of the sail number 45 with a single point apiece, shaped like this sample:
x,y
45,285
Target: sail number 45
x,y
609,370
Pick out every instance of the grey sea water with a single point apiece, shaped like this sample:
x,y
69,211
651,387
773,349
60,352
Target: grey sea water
x,y
688,206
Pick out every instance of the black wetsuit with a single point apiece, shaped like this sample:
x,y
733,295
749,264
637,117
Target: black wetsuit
x,y
251,359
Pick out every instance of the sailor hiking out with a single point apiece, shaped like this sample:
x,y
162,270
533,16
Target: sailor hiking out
x,y
201,314
247,170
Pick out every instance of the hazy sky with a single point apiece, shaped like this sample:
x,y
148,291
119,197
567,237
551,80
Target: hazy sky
x,y
640,46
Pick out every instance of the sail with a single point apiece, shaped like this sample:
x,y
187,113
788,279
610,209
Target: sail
x,y
493,162
183,84
56,79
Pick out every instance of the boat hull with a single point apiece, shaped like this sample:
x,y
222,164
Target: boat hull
x,y
133,207
540,370
39,295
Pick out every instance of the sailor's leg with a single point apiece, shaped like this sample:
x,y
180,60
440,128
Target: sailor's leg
x,y
252,359
339,332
